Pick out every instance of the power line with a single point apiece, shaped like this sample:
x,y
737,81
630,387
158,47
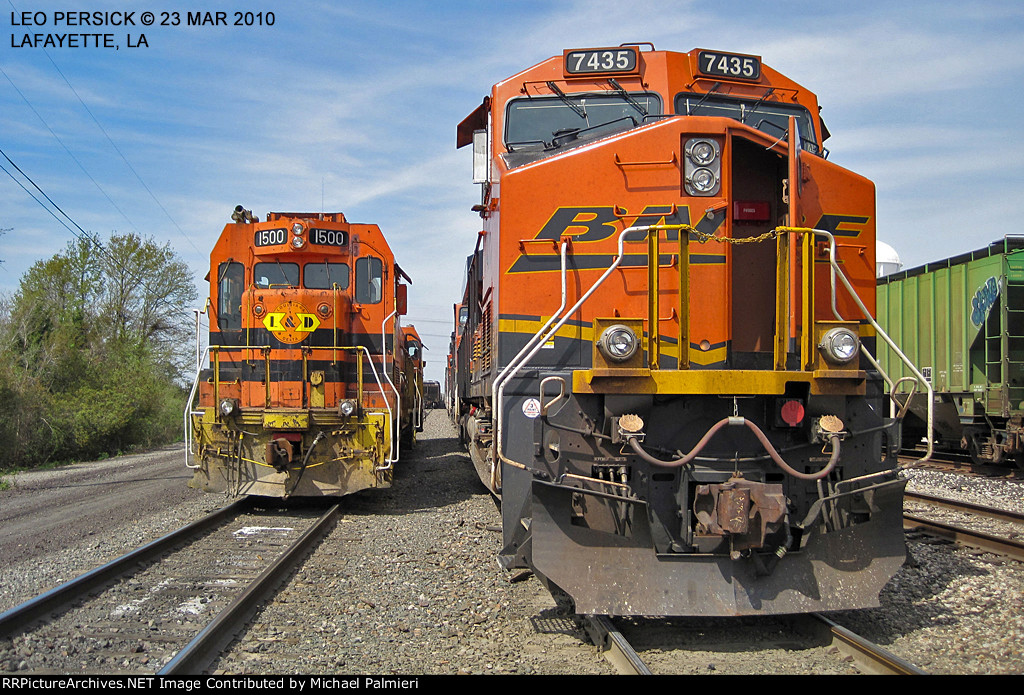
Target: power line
x,y
70,154
81,233
109,140
116,149
448,322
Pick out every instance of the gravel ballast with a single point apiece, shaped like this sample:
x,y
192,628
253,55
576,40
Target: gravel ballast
x,y
408,583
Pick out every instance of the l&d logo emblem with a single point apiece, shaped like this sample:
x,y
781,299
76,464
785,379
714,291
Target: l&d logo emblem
x,y
291,323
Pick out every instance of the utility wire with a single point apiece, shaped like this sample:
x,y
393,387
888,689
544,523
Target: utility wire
x,y
107,136
81,233
69,152
121,154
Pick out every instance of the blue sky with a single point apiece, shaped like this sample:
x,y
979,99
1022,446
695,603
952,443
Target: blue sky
x,y
353,106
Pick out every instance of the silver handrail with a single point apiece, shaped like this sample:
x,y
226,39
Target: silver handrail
x,y
395,425
188,405
837,271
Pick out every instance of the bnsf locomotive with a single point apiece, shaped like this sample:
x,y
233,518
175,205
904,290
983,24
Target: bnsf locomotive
x,y
313,384
662,369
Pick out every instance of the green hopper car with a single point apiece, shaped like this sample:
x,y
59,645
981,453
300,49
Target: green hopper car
x,y
961,320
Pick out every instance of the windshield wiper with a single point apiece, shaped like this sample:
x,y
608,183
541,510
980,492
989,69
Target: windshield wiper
x,y
756,104
284,276
580,111
625,95
714,88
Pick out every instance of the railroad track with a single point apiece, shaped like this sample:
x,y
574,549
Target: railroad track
x,y
613,645
869,657
168,607
966,532
865,655
961,464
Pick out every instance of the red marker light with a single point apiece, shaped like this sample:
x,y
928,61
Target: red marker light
x,y
792,413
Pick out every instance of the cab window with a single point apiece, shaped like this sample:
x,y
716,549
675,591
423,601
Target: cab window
x,y
769,117
267,275
369,280
554,122
230,284
324,276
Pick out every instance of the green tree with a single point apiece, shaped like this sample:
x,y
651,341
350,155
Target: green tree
x,y
147,299
93,346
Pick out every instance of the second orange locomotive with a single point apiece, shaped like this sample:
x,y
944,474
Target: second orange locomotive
x,y
313,385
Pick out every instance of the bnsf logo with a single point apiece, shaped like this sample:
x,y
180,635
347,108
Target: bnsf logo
x,y
597,223
585,224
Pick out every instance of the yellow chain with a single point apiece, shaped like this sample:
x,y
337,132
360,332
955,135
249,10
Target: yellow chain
x,y
704,237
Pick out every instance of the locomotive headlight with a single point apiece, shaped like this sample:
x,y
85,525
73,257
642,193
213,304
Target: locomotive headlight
x,y
703,180
298,242
618,343
347,406
702,152
228,406
702,166
298,229
839,345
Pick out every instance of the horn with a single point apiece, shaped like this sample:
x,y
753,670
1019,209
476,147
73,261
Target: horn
x,y
241,215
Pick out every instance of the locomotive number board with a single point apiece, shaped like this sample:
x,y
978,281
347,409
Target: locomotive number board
x,y
271,237
602,61
730,65
321,237
328,237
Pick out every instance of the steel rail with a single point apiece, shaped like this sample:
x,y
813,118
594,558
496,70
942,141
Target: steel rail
x,y
990,512
963,536
614,646
871,657
209,643
18,618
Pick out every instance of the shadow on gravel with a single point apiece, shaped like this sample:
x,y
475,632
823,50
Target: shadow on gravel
x,y
555,621
912,600
436,473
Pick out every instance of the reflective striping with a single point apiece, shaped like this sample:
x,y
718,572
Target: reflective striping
x,y
526,327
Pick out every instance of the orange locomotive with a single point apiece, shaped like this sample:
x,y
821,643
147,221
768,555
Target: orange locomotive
x,y
736,458
410,373
310,388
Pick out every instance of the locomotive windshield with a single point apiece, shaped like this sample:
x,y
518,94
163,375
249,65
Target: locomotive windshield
x,y
369,279
323,276
547,123
767,116
275,274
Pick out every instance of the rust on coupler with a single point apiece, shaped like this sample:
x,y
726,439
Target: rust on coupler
x,y
744,511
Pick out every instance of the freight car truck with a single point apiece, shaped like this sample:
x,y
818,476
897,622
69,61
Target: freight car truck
x,y
962,321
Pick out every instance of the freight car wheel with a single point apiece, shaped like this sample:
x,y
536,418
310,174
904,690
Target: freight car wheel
x,y
978,449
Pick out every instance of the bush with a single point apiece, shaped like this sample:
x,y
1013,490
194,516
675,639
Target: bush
x,y
88,348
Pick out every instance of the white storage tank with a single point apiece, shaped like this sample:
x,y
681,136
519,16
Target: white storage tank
x,y
887,261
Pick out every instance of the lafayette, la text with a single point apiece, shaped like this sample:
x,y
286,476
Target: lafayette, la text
x,y
76,41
